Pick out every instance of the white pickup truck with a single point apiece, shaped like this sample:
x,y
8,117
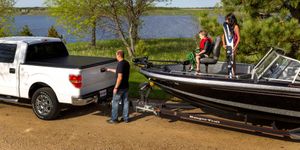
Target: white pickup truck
x,y
40,69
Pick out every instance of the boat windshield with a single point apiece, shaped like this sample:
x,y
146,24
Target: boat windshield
x,y
277,67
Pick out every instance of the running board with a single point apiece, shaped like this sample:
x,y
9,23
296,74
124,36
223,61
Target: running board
x,y
9,99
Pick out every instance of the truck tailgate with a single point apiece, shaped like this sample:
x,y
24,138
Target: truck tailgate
x,y
93,80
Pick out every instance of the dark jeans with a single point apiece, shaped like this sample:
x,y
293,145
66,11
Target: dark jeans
x,y
120,96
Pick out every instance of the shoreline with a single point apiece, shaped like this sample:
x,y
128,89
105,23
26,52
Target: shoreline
x,y
174,11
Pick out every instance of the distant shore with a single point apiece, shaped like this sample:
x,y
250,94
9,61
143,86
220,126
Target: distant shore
x,y
43,11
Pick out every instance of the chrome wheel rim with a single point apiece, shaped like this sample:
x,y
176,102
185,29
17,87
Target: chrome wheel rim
x,y
43,104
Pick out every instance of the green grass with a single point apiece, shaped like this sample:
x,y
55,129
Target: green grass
x,y
105,48
167,49
162,49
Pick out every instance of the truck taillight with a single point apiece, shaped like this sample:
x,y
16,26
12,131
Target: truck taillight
x,y
76,80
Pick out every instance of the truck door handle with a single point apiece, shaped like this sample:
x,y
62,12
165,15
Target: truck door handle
x,y
12,70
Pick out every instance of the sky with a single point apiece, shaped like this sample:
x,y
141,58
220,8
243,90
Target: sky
x,y
29,3
175,3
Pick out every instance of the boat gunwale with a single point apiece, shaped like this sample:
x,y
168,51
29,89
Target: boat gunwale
x,y
238,83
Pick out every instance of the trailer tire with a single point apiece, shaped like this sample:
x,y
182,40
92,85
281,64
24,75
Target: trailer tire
x,y
44,104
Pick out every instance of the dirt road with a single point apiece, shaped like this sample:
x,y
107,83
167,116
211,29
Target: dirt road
x,y
86,128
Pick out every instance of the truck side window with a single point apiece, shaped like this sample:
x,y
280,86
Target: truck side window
x,y
7,52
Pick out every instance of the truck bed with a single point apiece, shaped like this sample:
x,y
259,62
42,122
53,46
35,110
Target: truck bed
x,y
78,62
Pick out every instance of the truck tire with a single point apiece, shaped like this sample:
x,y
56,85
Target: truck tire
x,y
44,104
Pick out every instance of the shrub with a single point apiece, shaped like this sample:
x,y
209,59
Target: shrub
x,y
141,48
26,31
52,32
3,32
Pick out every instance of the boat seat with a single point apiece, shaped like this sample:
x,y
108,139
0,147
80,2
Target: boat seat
x,y
216,45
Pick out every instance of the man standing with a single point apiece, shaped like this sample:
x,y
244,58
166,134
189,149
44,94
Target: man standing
x,y
120,92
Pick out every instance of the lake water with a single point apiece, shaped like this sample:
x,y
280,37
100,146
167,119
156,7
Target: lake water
x,y
153,27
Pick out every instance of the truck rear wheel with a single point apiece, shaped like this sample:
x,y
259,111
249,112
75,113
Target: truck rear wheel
x,y
44,104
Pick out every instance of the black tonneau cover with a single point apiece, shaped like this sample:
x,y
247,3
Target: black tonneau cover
x,y
78,62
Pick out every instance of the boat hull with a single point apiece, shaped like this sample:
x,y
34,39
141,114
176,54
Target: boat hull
x,y
271,103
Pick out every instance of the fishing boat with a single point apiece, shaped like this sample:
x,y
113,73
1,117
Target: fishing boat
x,y
269,90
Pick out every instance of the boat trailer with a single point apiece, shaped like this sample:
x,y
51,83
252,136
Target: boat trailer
x,y
143,105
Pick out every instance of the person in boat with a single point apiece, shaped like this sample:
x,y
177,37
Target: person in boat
x,y
235,29
205,47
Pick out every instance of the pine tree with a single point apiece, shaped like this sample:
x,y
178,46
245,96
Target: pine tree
x,y
26,31
52,32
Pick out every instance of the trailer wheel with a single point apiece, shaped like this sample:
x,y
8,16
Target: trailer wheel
x,y
44,104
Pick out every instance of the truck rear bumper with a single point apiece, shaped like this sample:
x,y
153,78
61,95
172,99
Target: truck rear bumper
x,y
82,102
92,97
